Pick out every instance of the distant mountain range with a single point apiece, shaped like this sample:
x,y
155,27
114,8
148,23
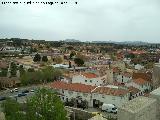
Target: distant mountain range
x,y
125,42
71,40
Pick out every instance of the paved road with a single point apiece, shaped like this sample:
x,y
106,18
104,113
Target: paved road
x,y
7,93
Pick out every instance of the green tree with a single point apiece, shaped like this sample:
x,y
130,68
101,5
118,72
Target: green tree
x,y
44,59
131,55
33,50
21,70
11,109
50,74
78,61
31,78
58,60
45,105
31,70
37,58
73,53
13,69
3,72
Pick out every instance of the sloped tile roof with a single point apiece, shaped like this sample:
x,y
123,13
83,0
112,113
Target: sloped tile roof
x,y
77,87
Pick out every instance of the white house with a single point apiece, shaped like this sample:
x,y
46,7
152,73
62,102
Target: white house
x,y
60,66
89,79
138,67
110,95
127,60
68,91
92,94
140,84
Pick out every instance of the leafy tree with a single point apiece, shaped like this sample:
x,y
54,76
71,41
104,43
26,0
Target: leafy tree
x,y
31,70
79,61
33,50
45,105
81,56
21,70
47,74
3,72
11,109
50,74
58,60
31,78
13,69
37,58
44,59
72,54
131,55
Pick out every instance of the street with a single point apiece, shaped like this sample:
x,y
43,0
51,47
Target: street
x,y
105,114
22,99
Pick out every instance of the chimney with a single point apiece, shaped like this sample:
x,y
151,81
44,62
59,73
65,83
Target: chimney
x,y
70,65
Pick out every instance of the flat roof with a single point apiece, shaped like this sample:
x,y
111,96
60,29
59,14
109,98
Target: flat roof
x,y
157,64
156,92
137,104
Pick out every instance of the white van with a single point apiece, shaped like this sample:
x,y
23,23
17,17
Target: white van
x,y
109,108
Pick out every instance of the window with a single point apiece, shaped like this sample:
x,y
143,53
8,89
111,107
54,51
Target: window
x,y
70,92
62,91
103,96
113,98
85,80
91,81
85,94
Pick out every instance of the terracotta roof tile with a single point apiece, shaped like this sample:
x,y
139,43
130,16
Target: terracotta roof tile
x,y
89,75
116,70
118,84
133,90
145,76
72,86
110,91
127,74
140,81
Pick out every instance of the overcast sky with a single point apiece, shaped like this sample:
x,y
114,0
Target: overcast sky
x,y
89,20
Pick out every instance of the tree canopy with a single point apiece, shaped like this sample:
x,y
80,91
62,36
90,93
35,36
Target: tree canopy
x,y
47,74
58,60
37,58
44,59
13,69
79,61
44,105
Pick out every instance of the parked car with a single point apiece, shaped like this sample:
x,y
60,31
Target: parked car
x,y
21,94
14,90
111,108
32,90
2,98
25,91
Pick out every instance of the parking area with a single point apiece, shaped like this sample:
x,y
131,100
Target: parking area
x,y
105,114
20,94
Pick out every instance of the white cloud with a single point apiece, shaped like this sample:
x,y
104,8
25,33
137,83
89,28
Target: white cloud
x,y
88,20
